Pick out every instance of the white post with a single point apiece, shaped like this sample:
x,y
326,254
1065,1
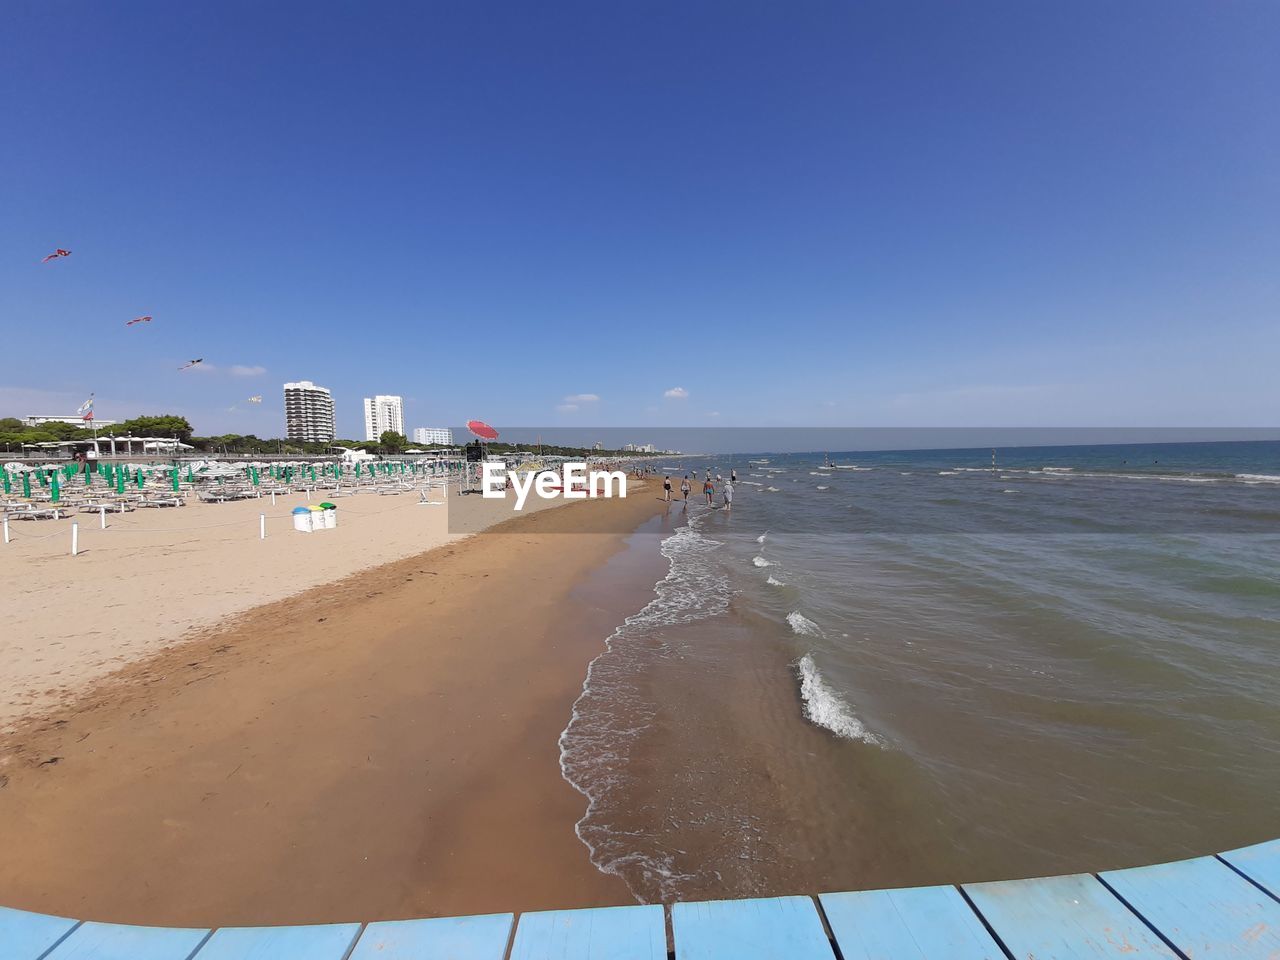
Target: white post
x,y
6,528
262,526
102,513
75,537
273,498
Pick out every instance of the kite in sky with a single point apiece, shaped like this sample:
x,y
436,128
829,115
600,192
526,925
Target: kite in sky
x,y
191,363
56,254
255,399
130,323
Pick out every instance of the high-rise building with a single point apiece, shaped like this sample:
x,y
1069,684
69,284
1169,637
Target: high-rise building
x,y
433,435
308,412
383,413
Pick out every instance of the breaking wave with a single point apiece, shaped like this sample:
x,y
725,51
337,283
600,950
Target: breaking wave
x,y
826,708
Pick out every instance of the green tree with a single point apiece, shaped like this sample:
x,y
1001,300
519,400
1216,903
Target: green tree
x,y
164,425
392,442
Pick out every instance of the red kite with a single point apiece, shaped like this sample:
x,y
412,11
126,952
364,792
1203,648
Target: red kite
x,y
56,254
130,323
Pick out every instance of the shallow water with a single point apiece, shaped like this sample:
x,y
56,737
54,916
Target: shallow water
x,y
930,671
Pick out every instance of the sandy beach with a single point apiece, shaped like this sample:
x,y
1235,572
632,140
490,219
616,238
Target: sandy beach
x,y
220,729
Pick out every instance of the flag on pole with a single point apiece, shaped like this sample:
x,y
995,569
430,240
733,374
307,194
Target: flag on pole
x,y
85,412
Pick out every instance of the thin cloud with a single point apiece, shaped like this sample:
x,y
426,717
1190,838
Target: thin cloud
x,y
676,393
240,370
567,407
578,398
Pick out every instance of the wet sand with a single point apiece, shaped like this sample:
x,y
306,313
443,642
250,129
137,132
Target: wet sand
x,y
382,748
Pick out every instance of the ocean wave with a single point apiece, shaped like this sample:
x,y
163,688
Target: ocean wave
x,y
1258,477
762,537
826,708
761,562
824,488
773,490
948,473
774,581
803,625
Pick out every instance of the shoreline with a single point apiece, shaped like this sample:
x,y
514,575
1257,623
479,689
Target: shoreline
x,y
335,755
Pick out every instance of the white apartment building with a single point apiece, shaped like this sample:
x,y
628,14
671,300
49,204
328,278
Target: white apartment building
x,y
308,412
427,435
382,413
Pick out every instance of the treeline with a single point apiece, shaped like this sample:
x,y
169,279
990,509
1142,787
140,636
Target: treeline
x,y
14,433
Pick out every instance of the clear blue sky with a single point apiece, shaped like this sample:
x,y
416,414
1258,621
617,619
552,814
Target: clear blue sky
x,y
872,213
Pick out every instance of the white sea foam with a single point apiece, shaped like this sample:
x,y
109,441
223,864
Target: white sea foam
x,y
612,711
1008,491
824,488
774,581
772,489
803,625
825,707
1258,477
761,538
761,562
948,473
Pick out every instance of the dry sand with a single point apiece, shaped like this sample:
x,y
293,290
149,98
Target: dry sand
x,y
384,746
155,575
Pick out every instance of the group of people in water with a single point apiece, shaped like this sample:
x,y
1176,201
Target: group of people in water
x,y
708,488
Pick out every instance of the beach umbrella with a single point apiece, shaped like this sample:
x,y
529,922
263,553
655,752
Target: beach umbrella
x,y
26,485
482,430
140,481
6,481
119,480
56,492
175,479
191,477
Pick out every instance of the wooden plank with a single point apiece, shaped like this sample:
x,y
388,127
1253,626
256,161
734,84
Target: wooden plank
x,y
1260,863
26,936
772,929
1203,907
114,941
446,938
1063,918
606,933
921,923
322,941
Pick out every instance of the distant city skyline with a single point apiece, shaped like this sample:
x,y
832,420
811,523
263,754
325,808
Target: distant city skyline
x,y
990,213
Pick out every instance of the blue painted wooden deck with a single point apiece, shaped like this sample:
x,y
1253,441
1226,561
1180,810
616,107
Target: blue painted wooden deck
x,y
1226,906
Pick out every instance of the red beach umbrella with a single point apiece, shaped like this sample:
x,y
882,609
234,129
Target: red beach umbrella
x,y
482,429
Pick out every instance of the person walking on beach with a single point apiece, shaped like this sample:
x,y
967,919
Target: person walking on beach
x,y
709,489
666,488
728,495
685,487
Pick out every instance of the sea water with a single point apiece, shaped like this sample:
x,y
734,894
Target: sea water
x,y
912,668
